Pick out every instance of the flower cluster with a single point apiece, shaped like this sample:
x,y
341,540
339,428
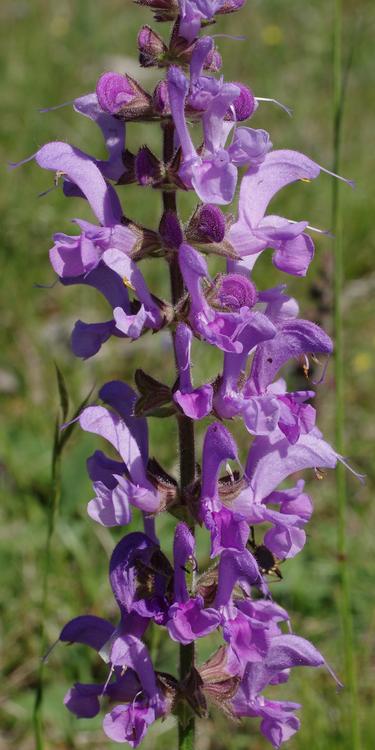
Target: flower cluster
x,y
258,331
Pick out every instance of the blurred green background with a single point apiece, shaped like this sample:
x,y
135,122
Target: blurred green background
x,y
51,52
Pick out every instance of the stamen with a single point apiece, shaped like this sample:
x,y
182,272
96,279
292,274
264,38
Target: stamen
x,y
305,366
319,473
230,472
128,284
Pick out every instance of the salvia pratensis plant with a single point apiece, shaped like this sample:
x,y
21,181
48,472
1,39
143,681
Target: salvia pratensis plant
x,y
257,331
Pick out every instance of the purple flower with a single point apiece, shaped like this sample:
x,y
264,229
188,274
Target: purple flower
x,y
119,484
87,338
193,12
196,403
83,699
278,720
270,460
265,405
213,175
78,255
141,579
229,531
188,619
129,723
236,330
80,169
113,132
148,314
254,232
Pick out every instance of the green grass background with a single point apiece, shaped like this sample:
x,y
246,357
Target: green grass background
x,y
51,52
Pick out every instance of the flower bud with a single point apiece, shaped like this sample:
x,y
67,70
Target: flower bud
x,y
236,291
114,91
121,95
151,47
245,104
207,224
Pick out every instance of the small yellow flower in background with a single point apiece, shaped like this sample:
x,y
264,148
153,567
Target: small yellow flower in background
x,y
272,35
362,362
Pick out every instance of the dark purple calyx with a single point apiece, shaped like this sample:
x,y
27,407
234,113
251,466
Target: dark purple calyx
x,y
147,167
170,230
235,291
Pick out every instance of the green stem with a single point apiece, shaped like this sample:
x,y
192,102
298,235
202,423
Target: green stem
x,y
186,721
343,562
52,515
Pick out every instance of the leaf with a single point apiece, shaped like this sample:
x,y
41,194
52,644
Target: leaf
x,y
63,393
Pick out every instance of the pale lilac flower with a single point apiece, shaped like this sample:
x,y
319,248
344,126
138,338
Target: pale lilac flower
x,y
116,490
196,403
255,231
213,175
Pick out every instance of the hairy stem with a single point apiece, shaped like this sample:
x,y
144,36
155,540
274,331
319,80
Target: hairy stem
x,y
343,562
186,722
